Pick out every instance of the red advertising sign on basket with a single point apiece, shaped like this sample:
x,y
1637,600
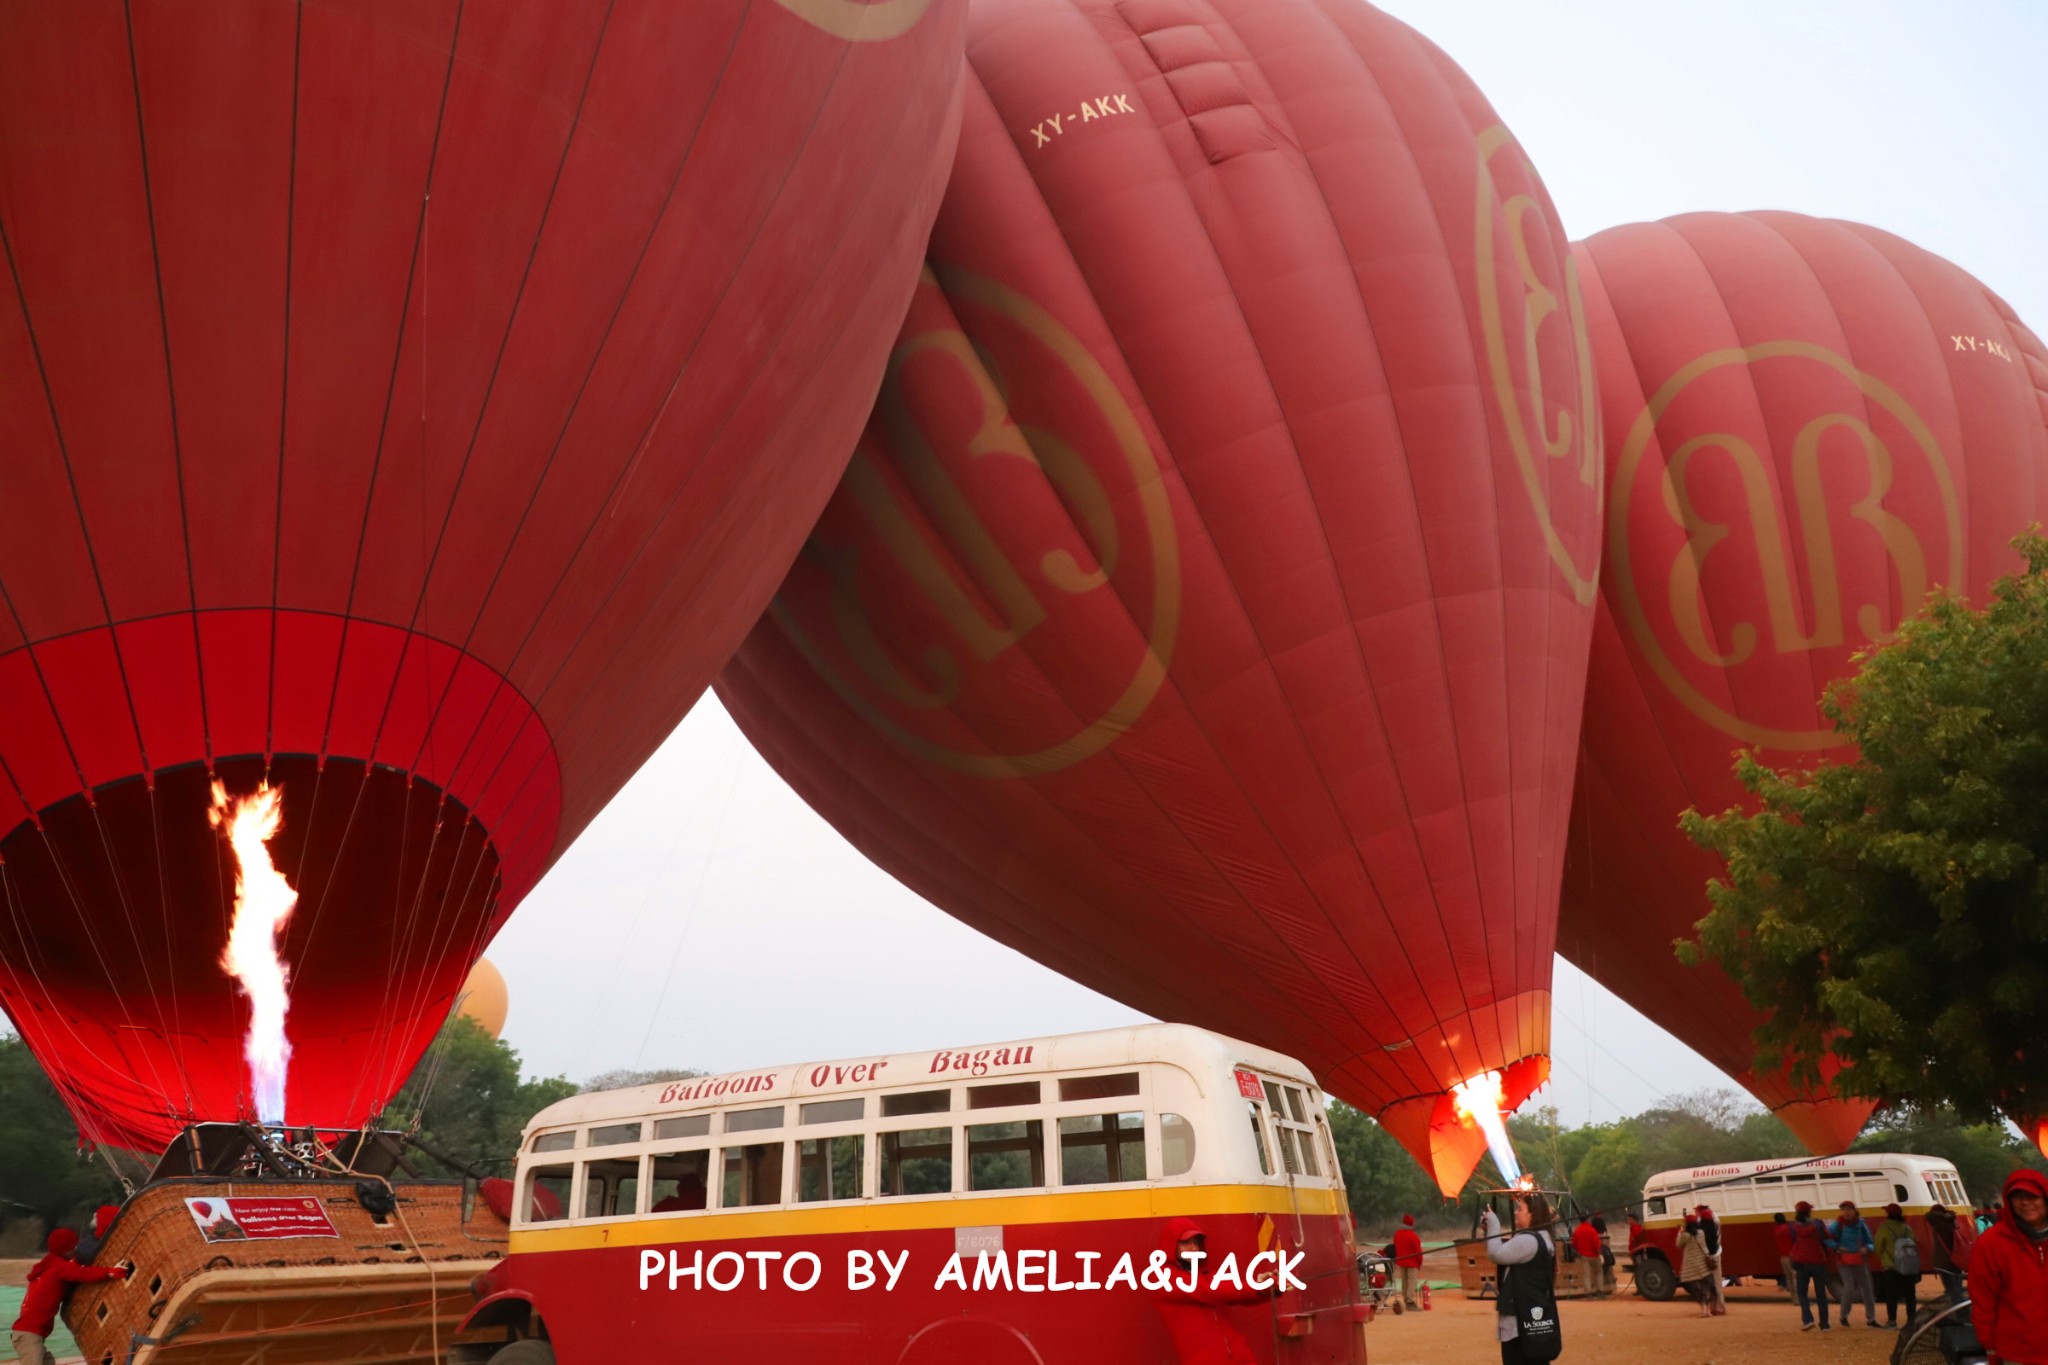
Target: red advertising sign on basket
x,y
238,1219
1248,1086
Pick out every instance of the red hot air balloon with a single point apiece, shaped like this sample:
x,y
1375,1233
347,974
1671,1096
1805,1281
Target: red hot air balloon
x,y
414,402
1809,425
1204,611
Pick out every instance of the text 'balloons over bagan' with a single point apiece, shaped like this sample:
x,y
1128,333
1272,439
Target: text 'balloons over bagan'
x,y
1810,424
1204,612
415,401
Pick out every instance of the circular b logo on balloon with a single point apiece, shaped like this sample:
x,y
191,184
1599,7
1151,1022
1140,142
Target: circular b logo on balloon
x,y
1539,359
858,22
1002,546
1750,570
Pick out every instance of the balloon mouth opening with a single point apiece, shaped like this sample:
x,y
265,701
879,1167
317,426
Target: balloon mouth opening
x,y
117,979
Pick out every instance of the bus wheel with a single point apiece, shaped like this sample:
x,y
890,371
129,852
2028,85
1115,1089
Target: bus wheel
x,y
1655,1280
529,1352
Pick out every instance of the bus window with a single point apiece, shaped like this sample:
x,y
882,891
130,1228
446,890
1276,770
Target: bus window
x,y
547,1193
1005,1096
1284,1138
680,1181
611,1187
1006,1156
917,1161
1657,1208
554,1142
918,1102
830,1168
753,1175
833,1111
753,1120
613,1135
689,1125
1259,1138
1899,1195
1099,1087
1176,1145
1102,1149
1294,1109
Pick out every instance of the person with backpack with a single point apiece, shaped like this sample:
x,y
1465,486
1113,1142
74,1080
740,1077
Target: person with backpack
x,y
1527,1257
1898,1266
1691,1247
1710,1238
1948,1242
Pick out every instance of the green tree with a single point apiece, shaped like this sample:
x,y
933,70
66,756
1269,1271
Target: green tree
x,y
1894,908
41,1174
469,1097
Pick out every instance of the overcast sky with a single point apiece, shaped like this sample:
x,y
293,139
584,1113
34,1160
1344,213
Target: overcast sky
x,y
709,919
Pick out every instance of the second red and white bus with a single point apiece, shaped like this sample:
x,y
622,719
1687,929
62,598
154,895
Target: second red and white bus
x,y
812,1212
1746,1195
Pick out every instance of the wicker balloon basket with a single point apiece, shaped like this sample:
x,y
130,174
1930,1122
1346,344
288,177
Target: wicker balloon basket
x,y
313,1271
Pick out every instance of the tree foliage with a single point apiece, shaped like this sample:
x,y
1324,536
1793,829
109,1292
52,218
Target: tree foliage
x,y
1603,1165
470,1099
41,1172
1894,908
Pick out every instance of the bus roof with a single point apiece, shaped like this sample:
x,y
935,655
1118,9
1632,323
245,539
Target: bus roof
x,y
1795,1165
1197,1050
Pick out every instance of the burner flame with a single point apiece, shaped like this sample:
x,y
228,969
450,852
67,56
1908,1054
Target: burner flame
x,y
1479,1100
263,902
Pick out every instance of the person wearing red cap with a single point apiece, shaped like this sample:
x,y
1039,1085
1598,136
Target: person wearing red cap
x,y
1586,1246
1408,1258
1192,1308
47,1281
2009,1276
1809,1265
1710,1238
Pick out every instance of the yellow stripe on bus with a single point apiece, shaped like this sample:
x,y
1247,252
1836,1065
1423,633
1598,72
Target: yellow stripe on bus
x,y
1095,1206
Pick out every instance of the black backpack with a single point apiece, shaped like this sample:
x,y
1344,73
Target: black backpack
x,y
1528,1292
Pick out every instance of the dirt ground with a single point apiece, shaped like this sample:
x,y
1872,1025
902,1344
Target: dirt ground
x,y
1761,1328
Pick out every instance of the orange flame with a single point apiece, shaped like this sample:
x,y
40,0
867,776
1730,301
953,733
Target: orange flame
x,y
263,902
1479,1099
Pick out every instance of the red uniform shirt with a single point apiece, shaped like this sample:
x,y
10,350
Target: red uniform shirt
x,y
2009,1285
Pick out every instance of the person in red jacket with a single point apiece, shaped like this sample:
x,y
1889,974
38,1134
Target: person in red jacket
x,y
1810,1266
1202,1332
1408,1257
2009,1276
47,1281
1586,1246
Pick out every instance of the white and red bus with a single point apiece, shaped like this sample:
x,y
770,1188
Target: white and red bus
x,y
1746,1195
815,1212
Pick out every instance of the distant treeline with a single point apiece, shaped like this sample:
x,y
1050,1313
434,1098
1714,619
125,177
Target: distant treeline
x,y
1604,1165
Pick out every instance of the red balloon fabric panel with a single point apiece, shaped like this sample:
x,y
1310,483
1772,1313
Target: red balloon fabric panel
x,y
1204,612
415,401
1810,424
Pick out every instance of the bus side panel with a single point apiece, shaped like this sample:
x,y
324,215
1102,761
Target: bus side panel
x,y
596,1310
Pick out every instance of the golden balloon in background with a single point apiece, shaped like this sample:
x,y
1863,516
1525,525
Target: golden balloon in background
x,y
483,997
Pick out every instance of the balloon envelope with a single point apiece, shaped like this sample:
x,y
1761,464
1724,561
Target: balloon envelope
x,y
1204,612
483,997
1810,424
414,403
